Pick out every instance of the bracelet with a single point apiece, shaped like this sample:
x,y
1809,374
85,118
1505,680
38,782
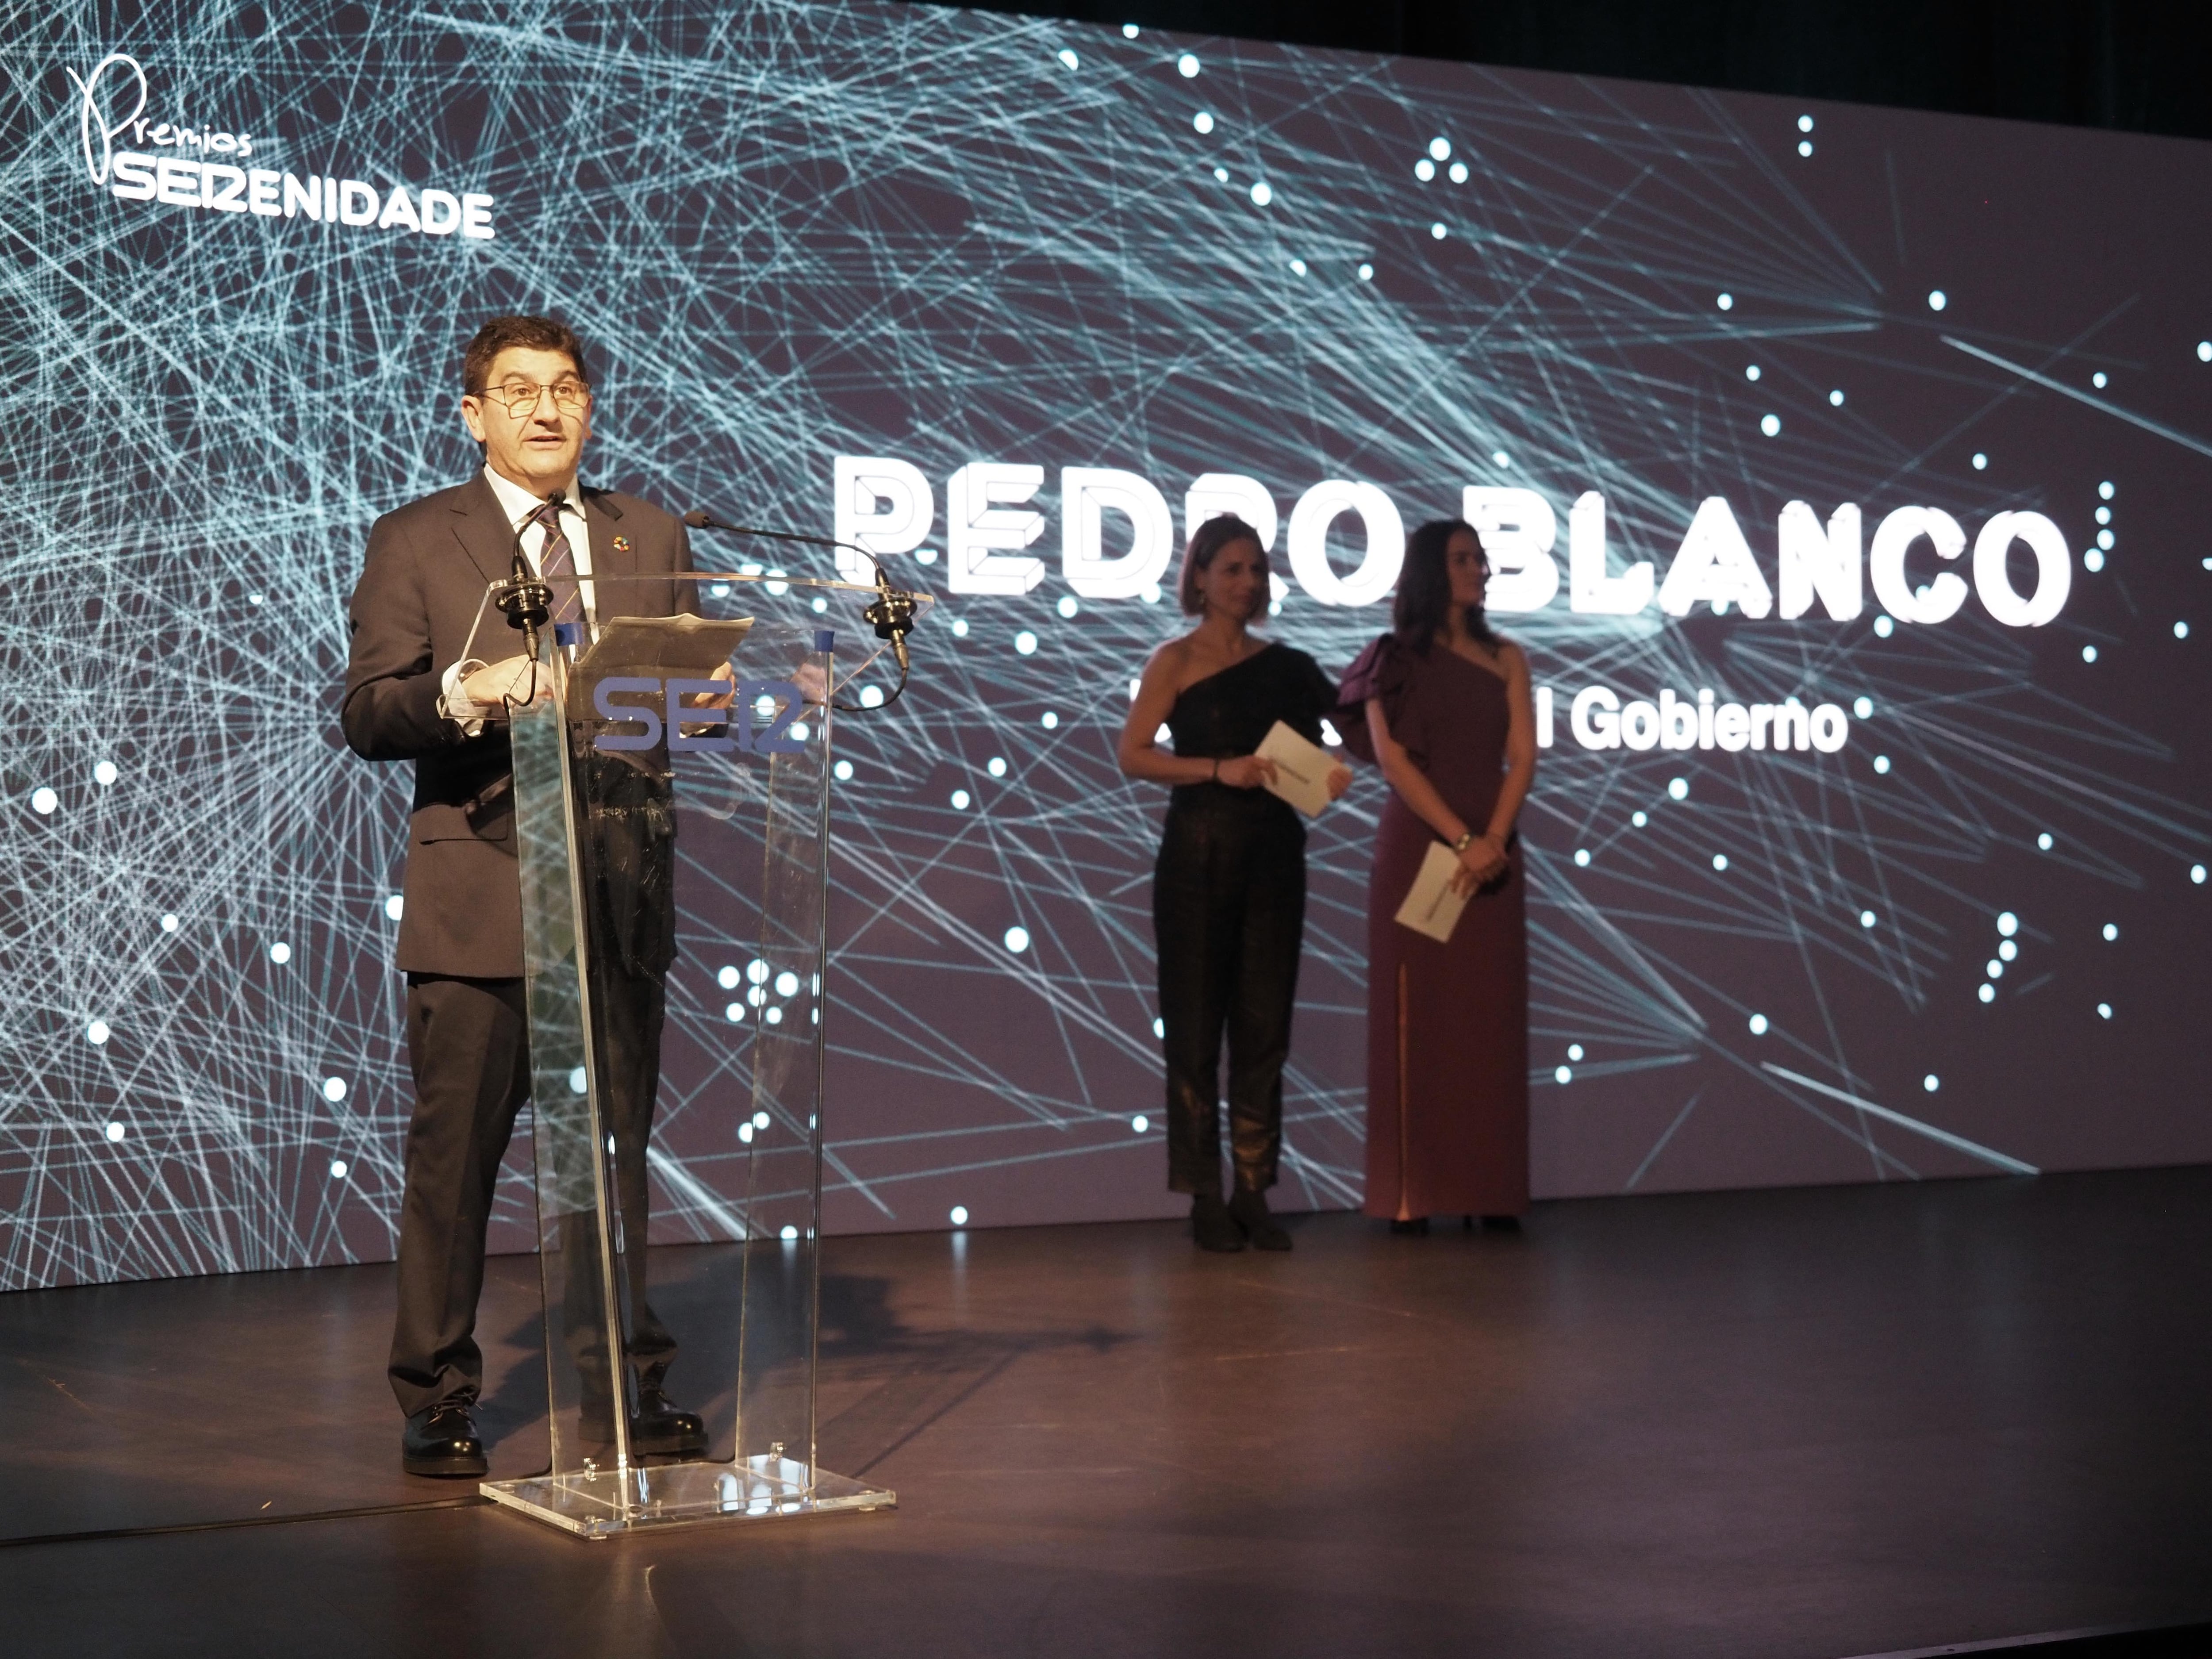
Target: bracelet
x,y
1465,842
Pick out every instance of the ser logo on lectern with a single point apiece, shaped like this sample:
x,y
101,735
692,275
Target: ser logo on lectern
x,y
775,703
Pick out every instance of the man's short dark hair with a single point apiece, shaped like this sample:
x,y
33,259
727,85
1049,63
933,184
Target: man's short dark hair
x,y
535,333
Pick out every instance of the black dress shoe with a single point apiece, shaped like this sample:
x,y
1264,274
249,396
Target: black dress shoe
x,y
660,1430
1211,1226
1249,1209
442,1440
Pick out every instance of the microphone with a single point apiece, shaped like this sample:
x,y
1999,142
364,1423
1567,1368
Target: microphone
x,y
892,611
526,602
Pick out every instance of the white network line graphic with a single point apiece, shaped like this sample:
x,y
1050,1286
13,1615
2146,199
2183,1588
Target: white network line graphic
x,y
793,232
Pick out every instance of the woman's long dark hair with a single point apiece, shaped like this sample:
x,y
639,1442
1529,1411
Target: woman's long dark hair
x,y
1424,602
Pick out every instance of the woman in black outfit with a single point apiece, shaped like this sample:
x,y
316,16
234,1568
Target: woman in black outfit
x,y
1229,891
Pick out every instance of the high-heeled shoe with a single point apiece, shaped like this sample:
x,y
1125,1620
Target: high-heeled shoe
x,y
1249,1209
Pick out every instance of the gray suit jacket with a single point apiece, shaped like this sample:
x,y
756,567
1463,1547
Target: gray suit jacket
x,y
420,590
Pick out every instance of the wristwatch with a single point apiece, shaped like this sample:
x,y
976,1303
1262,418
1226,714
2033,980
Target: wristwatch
x,y
1465,842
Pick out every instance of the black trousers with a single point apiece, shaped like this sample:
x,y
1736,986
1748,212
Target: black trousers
x,y
468,1046
1228,907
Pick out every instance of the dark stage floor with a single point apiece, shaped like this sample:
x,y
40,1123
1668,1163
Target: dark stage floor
x,y
1818,1423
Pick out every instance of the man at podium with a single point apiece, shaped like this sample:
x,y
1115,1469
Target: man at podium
x,y
408,697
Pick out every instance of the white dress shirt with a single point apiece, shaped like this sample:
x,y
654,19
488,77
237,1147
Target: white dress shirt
x,y
518,504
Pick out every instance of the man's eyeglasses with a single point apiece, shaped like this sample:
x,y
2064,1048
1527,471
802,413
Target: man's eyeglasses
x,y
519,398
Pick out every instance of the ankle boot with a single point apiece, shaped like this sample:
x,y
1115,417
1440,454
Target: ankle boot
x,y
1212,1227
1249,1208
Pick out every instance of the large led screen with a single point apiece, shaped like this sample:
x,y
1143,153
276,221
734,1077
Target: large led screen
x,y
1843,471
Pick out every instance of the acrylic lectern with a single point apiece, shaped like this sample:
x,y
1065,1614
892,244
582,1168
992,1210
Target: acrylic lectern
x,y
672,778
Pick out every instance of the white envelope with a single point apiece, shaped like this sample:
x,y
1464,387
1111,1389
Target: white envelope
x,y
1302,770
1432,908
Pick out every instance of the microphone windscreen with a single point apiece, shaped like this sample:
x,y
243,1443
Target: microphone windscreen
x,y
698,517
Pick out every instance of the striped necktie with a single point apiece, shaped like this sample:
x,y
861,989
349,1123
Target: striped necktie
x,y
556,563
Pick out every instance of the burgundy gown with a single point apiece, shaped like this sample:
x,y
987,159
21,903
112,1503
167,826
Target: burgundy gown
x,y
1447,1025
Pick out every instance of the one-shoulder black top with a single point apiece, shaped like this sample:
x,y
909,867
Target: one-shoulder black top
x,y
1228,714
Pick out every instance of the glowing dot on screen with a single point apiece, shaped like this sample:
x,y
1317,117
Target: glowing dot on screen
x,y
728,979
786,984
2197,874
788,1234
1262,194
394,907
1152,593
115,1132
2111,931
959,1215
1864,708
170,922
1836,398
1139,1123
2093,560
1067,605
334,1088
774,1016
1440,147
1367,273
1865,918
1424,169
1758,1023
758,971
734,1011
2105,490
104,773
2042,841
1751,372
761,1119
1804,146
1988,992
842,771
745,1133
2181,630
44,800
821,606
1202,121
960,628
1128,31
1437,230
1679,788
1499,458
1574,1051
2007,923
1159,1028
1459,173
1581,857
1049,720
1804,124
1221,175
1720,860
2007,950
996,766
2106,539
2104,1010
798,729
1639,818
1881,763
1981,462
1297,267
578,1081
871,697
1771,425
1563,1074
1994,968
1883,628
97,1032
2089,653
337,1169
1187,65
2097,380
1931,1083
1068,57
280,953
2204,351
1017,939
1026,643
960,799
1725,302
1937,299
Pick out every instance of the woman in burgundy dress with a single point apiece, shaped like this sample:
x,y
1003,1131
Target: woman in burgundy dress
x,y
1448,718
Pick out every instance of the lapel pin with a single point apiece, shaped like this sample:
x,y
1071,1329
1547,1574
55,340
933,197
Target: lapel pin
x,y
622,544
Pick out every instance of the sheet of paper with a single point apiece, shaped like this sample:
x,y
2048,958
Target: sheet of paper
x,y
1302,770
1432,908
